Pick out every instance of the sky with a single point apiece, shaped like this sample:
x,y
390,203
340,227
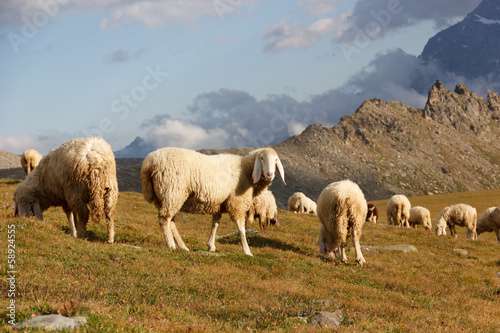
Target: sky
x,y
206,73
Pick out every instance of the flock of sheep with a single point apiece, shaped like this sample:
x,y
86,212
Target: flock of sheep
x,y
80,176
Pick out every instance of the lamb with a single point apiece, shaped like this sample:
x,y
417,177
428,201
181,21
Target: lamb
x,y
80,176
294,201
420,215
459,214
489,221
29,160
372,215
307,206
265,209
176,179
398,210
342,211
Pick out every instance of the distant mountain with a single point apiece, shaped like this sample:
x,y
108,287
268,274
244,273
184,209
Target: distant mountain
x,y
139,148
471,47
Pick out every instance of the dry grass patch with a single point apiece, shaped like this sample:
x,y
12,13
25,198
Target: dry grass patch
x,y
121,288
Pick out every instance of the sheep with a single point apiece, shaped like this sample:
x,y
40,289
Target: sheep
x,y
176,179
489,221
398,210
307,206
294,201
80,176
420,215
342,211
265,209
459,214
29,160
372,215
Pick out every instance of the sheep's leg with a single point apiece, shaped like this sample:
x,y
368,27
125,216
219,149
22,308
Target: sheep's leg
x,y
497,231
215,224
71,221
110,225
453,231
177,236
165,225
240,223
360,260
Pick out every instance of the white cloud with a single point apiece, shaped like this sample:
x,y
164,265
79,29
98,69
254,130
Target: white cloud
x,y
176,133
43,143
290,36
319,7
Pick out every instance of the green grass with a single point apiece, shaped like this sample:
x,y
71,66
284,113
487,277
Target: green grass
x,y
123,289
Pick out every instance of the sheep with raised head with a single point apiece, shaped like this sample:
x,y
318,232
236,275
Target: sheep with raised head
x,y
489,221
29,160
422,216
342,211
460,214
263,208
372,214
176,179
80,176
307,206
294,202
398,210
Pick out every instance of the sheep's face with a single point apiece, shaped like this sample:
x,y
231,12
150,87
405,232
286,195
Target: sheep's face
x,y
327,246
441,228
25,208
266,163
483,228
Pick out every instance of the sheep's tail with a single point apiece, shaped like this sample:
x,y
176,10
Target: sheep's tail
x,y
98,184
398,214
147,183
344,218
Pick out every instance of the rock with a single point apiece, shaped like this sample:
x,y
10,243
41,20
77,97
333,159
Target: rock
x,y
327,319
461,252
52,322
498,275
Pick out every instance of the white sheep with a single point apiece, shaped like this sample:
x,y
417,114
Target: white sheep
x,y
342,211
489,221
80,176
29,160
265,209
398,210
422,216
177,179
307,206
294,202
460,214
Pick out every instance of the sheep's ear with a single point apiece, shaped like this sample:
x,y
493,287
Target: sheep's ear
x,y
257,169
38,211
281,170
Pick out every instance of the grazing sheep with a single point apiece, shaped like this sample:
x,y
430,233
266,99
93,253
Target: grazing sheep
x,y
29,160
398,210
80,176
489,221
372,215
342,211
459,214
420,215
307,206
294,202
177,179
265,209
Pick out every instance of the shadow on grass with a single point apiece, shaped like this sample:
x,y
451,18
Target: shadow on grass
x,y
89,235
259,241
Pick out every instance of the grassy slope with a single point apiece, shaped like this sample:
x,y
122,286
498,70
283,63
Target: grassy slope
x,y
121,288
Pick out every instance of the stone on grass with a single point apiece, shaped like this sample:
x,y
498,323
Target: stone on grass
x,y
461,252
52,322
326,319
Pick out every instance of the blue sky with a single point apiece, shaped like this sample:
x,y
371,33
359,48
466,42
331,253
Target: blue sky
x,y
202,73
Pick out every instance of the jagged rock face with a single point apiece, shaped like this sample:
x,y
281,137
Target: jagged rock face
x,y
387,148
472,46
